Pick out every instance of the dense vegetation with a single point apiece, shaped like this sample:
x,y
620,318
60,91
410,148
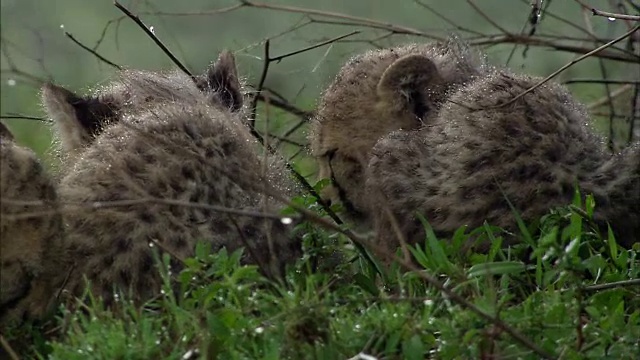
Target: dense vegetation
x,y
572,294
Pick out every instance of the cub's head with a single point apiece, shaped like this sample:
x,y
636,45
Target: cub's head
x,y
79,119
373,95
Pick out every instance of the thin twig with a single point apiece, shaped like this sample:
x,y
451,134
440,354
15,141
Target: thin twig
x,y
24,117
614,94
360,20
102,58
610,15
263,78
72,206
320,44
571,63
7,347
602,81
613,285
152,36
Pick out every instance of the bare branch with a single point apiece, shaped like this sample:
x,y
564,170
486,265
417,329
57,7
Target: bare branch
x,y
360,20
611,16
93,52
24,117
571,63
153,37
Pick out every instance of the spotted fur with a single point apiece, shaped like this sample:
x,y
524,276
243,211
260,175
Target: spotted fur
x,y
174,144
30,246
374,94
456,162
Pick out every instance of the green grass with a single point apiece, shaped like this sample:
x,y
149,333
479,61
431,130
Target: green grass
x,y
572,295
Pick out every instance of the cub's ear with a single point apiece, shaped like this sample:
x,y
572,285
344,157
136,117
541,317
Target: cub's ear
x,y
221,78
407,83
78,120
5,134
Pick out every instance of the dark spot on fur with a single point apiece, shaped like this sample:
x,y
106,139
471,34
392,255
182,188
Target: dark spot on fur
x,y
107,261
147,217
123,245
179,242
228,147
125,276
187,172
146,263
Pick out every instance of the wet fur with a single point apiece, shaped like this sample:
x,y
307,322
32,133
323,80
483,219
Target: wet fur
x,y
30,248
179,140
374,94
455,162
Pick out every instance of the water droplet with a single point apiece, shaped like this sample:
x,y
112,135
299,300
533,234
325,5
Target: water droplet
x,y
190,354
286,220
62,26
611,19
259,330
11,82
152,30
428,302
151,244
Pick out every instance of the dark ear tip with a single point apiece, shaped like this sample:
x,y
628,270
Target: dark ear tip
x,y
227,57
226,64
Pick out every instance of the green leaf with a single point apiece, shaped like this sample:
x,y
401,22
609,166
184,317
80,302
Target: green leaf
x,y
496,268
413,349
366,283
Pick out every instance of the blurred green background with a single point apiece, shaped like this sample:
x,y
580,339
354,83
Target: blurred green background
x,y
34,47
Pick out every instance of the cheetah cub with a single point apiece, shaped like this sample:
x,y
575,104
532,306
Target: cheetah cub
x,y
459,169
374,94
167,154
30,245
468,151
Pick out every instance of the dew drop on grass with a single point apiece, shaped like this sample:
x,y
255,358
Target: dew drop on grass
x,y
151,244
286,220
428,302
62,26
259,330
11,82
190,354
153,31
611,19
